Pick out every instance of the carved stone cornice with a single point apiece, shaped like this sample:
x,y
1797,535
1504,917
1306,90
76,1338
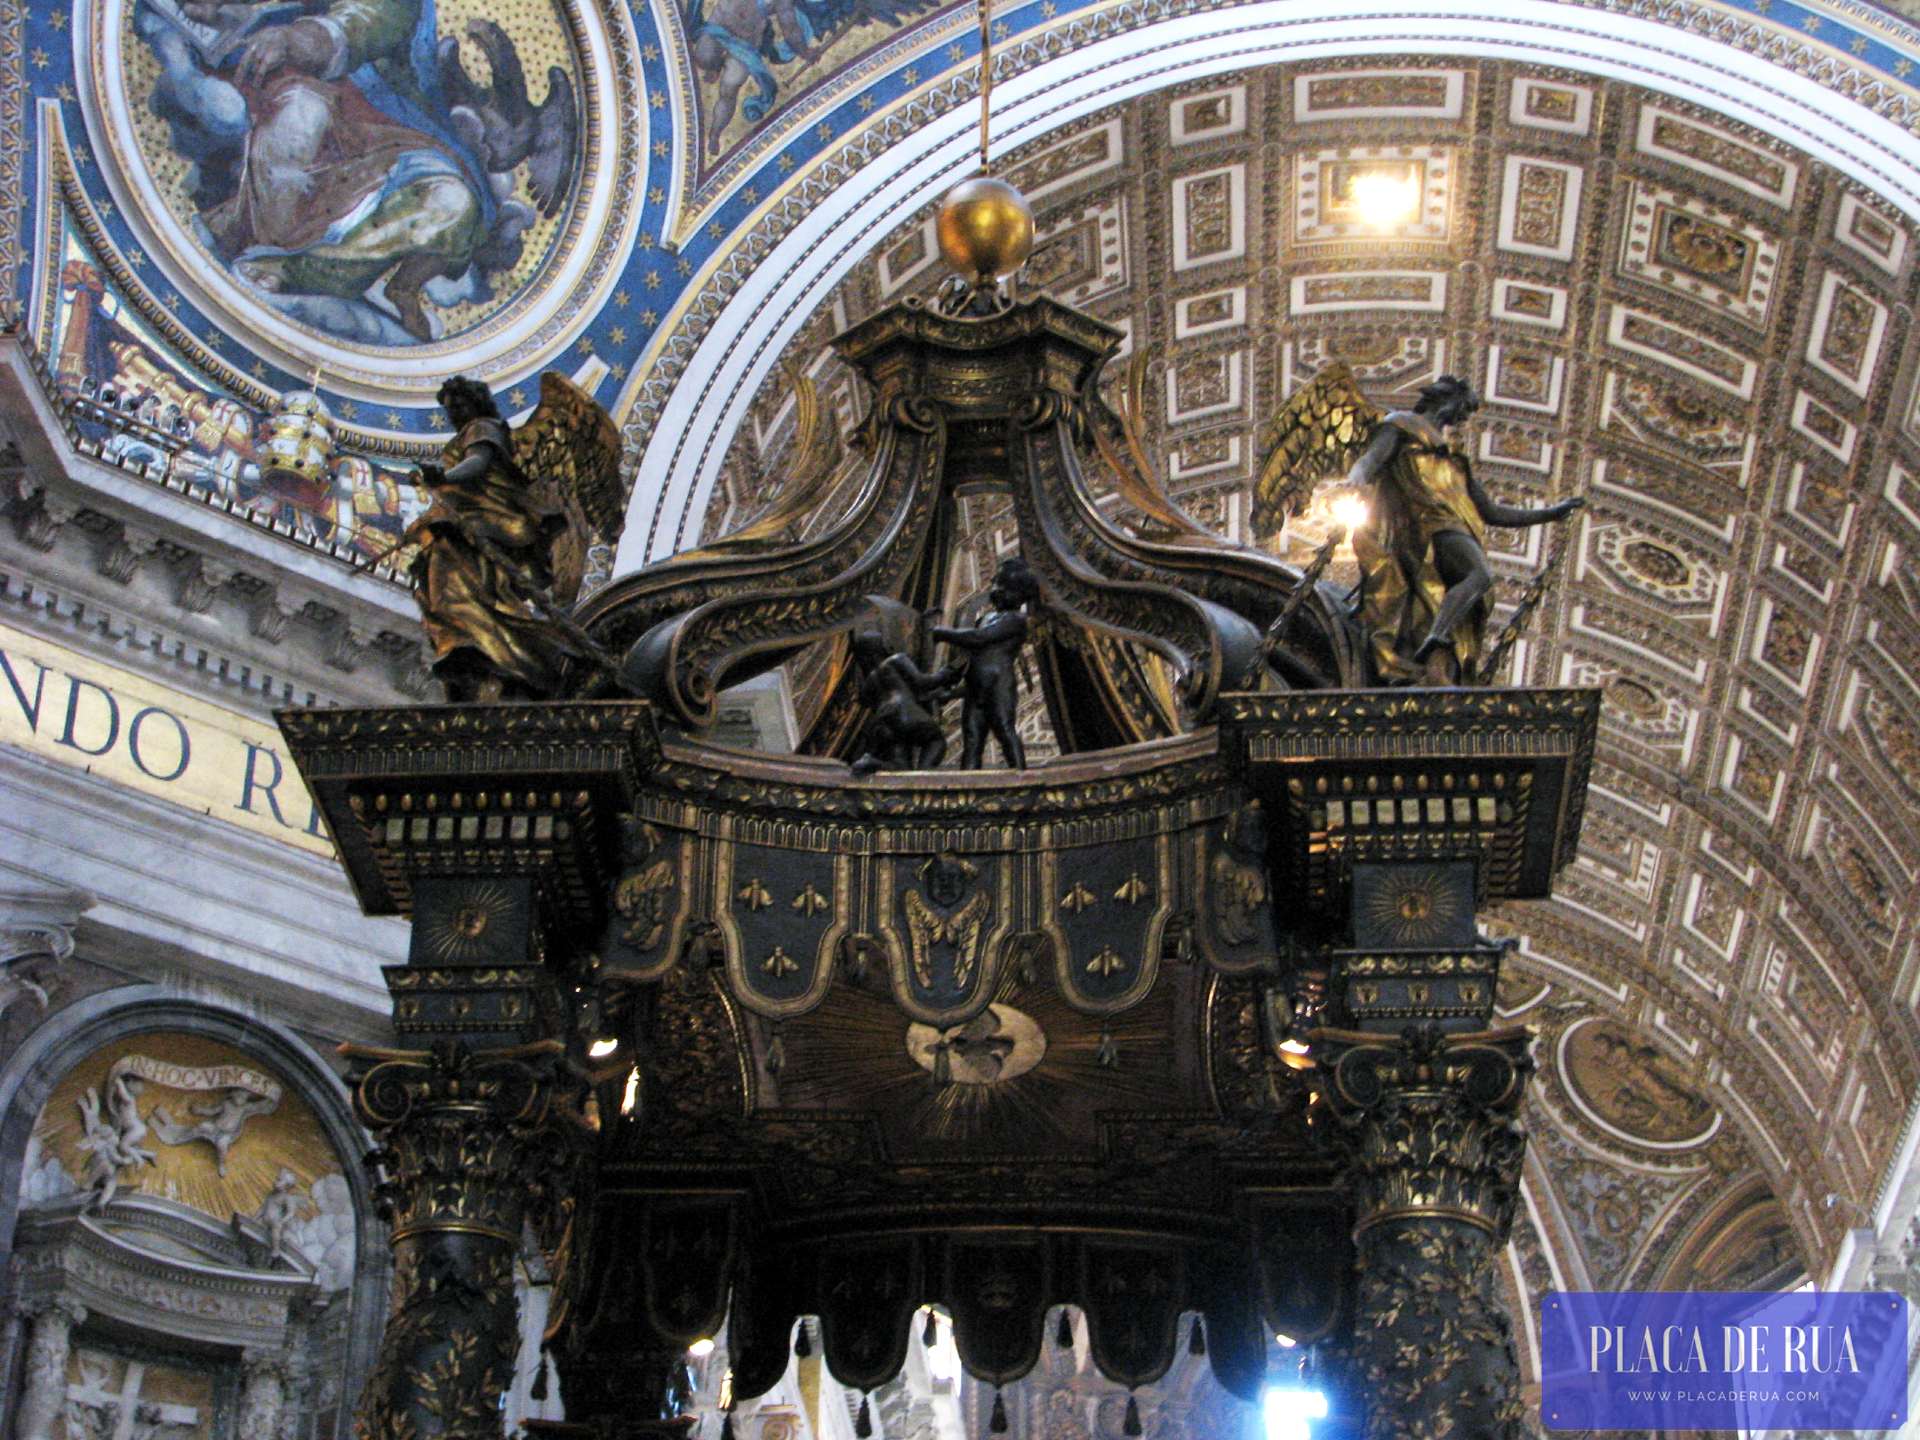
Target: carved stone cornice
x,y
39,924
67,1258
1431,1120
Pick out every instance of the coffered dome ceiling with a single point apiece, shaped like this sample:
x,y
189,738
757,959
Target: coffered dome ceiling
x,y
1709,336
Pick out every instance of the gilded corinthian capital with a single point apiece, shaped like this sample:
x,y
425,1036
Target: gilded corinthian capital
x,y
1434,1171
1431,1121
473,1144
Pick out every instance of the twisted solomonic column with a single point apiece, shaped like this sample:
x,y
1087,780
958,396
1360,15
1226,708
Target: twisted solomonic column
x,y
473,1144
1434,1174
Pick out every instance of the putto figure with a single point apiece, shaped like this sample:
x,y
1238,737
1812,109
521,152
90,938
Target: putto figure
x,y
1422,603
904,732
218,1122
502,548
991,696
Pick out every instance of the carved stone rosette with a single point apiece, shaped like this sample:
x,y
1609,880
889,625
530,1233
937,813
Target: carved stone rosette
x,y
1434,1174
473,1145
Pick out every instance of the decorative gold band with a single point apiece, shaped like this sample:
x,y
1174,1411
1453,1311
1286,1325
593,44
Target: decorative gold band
x,y
461,1227
1426,1212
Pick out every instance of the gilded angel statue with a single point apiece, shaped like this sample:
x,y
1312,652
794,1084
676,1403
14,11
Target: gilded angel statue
x,y
505,545
1423,598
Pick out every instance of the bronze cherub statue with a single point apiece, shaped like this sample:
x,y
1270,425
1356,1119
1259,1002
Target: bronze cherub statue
x,y
904,730
991,696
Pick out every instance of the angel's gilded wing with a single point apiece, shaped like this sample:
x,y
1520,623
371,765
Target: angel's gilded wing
x,y
569,450
1319,432
963,930
926,930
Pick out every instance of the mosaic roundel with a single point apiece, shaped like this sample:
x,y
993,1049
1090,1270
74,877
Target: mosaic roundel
x,y
1632,1088
388,177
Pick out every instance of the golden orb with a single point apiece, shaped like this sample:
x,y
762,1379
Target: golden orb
x,y
985,228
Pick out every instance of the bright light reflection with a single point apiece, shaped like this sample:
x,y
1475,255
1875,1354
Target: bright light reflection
x,y
701,1348
943,1356
603,1047
1385,199
1349,512
1287,1412
631,1095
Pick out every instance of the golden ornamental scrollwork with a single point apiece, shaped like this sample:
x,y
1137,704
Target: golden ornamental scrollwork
x,y
701,645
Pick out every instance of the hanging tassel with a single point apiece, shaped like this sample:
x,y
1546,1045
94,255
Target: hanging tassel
x,y
726,1427
930,1336
863,1422
803,1343
998,1425
538,1390
1108,1055
1197,1341
942,1064
776,1053
1063,1336
1132,1425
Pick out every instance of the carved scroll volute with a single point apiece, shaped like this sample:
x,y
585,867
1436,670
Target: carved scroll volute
x,y
1431,1118
1211,648
473,1144
686,660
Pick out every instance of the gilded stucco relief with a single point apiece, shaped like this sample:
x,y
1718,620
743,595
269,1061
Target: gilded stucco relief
x,y
196,1123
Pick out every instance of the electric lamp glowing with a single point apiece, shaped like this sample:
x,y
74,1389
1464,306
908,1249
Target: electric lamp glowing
x,y
603,1047
1349,512
1384,198
1294,1047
